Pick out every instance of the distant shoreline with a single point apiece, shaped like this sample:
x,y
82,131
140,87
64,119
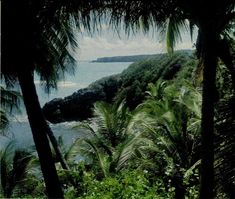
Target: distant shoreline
x,y
131,58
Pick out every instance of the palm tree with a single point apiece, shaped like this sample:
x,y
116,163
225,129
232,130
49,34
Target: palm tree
x,y
34,47
41,34
44,32
41,38
113,141
14,165
212,20
171,117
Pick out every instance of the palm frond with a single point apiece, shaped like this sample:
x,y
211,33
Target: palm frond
x,y
4,166
101,158
189,171
173,121
87,127
4,122
225,147
9,99
156,90
14,167
191,29
71,151
173,32
130,150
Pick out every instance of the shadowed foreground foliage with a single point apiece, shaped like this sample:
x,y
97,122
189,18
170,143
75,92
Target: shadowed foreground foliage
x,y
150,152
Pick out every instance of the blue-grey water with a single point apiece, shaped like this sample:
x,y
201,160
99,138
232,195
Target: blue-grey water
x,y
86,73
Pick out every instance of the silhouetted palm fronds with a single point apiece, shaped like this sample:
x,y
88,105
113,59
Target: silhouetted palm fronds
x,y
225,147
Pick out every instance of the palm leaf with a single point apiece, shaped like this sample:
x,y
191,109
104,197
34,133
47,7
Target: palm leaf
x,y
225,147
14,167
189,171
9,99
4,122
173,32
130,150
100,156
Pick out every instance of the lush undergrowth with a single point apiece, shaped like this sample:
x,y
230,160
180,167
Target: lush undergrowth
x,y
147,150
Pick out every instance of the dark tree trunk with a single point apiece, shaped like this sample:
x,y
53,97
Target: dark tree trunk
x,y
207,122
177,183
39,128
56,147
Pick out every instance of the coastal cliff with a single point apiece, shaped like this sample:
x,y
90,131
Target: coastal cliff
x,y
129,85
78,106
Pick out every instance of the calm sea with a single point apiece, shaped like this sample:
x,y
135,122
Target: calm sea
x,y
85,74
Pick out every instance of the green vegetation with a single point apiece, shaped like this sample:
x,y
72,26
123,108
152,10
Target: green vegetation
x,y
150,152
136,77
114,142
43,43
132,83
128,184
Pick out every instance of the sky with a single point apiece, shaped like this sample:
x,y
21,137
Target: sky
x,y
108,43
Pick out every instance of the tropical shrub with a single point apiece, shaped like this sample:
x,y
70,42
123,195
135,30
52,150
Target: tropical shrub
x,y
127,184
171,117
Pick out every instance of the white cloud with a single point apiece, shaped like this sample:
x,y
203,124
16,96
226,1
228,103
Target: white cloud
x,y
108,44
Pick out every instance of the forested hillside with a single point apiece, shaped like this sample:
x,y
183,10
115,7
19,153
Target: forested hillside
x,y
129,85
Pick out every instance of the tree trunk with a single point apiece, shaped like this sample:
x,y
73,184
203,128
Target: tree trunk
x,y
177,183
39,128
207,122
57,149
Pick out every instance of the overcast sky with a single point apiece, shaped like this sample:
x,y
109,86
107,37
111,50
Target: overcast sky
x,y
107,43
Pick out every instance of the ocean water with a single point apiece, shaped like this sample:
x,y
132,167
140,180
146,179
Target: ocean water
x,y
86,73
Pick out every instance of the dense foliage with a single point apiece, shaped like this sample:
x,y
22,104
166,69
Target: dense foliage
x,y
133,81
136,78
147,151
45,38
